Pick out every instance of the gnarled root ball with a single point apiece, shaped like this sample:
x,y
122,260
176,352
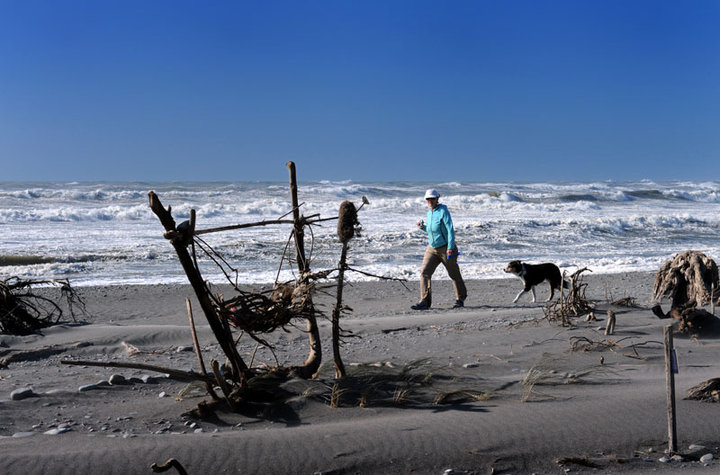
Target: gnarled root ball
x,y
688,277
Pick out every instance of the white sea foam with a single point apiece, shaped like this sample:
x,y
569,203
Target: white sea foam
x,y
105,233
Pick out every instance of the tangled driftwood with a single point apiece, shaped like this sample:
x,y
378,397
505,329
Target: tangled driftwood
x,y
24,308
257,313
575,304
708,391
688,277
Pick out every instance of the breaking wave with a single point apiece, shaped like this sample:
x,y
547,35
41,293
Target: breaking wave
x,y
106,233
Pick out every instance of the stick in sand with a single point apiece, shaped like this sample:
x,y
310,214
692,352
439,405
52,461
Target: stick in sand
x,y
196,344
670,390
610,326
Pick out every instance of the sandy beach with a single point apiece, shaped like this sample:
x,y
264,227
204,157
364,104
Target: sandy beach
x,y
490,388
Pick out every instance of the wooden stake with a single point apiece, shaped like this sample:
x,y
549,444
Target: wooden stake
x,y
312,364
670,367
339,366
610,326
298,226
196,344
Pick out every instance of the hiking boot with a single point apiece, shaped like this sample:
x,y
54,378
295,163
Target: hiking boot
x,y
421,306
459,304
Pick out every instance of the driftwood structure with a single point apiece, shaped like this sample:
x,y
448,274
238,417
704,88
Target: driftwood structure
x,y
25,308
252,313
689,279
237,383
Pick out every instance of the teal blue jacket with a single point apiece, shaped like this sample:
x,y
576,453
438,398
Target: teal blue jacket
x,y
439,227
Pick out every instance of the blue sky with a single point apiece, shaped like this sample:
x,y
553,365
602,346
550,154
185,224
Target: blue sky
x,y
359,90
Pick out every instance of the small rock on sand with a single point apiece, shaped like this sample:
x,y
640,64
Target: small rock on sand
x,y
117,379
22,393
57,431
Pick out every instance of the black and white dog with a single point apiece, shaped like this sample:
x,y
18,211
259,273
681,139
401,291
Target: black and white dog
x,y
534,274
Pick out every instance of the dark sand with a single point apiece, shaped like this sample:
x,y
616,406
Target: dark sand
x,y
612,415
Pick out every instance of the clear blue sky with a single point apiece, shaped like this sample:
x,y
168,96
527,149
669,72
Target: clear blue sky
x,y
360,90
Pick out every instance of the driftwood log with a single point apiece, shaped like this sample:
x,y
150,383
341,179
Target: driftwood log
x,y
688,277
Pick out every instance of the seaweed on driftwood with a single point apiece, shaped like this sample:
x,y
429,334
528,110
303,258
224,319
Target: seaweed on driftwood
x,y
25,308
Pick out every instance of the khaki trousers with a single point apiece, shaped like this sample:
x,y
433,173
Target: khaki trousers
x,y
433,257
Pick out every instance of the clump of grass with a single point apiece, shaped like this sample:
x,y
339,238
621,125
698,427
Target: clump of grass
x,y
401,396
548,372
194,389
335,394
414,384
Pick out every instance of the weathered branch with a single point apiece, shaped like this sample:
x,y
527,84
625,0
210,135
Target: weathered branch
x,y
196,345
172,373
170,463
312,364
179,240
339,366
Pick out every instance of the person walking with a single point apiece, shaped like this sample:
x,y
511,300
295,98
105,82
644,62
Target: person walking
x,y
441,249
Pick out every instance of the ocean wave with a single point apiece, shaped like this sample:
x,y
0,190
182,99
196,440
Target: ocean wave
x,y
105,232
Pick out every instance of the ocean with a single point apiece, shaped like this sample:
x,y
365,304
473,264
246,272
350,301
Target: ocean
x,y
105,234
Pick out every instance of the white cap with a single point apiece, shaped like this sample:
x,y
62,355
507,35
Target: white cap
x,y
432,193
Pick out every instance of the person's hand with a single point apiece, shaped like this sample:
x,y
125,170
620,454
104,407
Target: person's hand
x,y
420,224
452,253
